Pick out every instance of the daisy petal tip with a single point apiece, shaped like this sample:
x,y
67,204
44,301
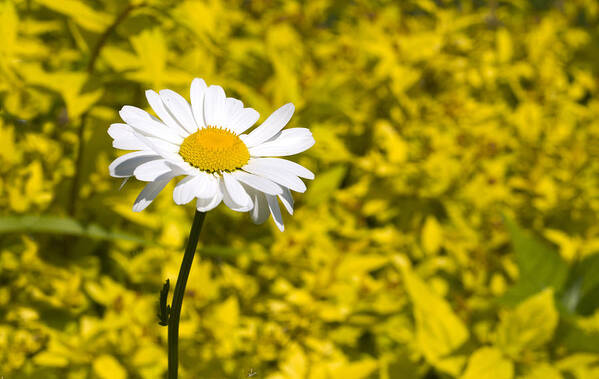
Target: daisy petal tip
x,y
165,96
301,188
307,174
127,108
289,109
198,82
112,169
152,97
112,130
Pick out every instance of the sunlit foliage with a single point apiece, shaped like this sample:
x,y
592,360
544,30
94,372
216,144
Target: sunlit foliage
x,y
451,230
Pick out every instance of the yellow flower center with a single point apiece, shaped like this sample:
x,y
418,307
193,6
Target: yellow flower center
x,y
213,149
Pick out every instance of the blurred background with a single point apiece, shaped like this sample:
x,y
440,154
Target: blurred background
x,y
451,231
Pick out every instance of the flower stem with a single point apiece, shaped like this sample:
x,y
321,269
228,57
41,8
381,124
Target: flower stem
x,y
175,313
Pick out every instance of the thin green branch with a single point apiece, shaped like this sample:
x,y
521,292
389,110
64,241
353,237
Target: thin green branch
x,y
91,66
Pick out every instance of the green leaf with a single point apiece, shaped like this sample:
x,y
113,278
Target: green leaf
x,y
151,52
357,265
539,266
325,184
69,84
439,331
543,371
357,370
488,362
579,366
62,225
9,26
107,367
529,326
576,339
585,278
431,235
120,59
87,17
51,359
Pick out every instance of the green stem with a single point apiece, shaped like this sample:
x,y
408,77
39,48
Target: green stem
x,y
175,313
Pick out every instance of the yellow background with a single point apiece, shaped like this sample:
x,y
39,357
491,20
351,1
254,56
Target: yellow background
x,y
436,124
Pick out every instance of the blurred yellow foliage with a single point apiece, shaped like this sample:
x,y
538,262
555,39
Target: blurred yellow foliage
x,y
436,122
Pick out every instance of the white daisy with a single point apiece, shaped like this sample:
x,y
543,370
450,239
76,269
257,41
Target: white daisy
x,y
205,142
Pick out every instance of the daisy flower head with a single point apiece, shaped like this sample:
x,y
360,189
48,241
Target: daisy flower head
x,y
206,142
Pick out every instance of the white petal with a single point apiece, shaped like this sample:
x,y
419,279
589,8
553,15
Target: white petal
x,y
243,120
257,182
196,95
128,143
185,190
124,139
291,133
273,124
157,105
205,205
234,195
149,171
209,186
289,142
282,148
287,200
233,108
273,205
214,106
142,122
285,165
179,108
156,170
229,203
260,212
161,147
118,130
148,194
124,165
283,178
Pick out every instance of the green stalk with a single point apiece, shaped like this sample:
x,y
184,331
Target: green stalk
x,y
175,312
